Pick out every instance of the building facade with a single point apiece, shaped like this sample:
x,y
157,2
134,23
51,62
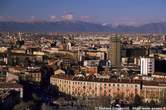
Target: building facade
x,y
147,66
84,88
96,88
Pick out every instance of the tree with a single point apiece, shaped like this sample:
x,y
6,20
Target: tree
x,y
138,100
152,103
27,62
25,105
163,97
46,73
35,97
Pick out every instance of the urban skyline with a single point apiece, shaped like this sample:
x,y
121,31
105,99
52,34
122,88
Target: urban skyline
x,y
82,55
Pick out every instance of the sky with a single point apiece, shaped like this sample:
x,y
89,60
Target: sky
x,y
131,12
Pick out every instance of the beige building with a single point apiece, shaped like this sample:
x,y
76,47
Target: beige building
x,y
94,87
153,92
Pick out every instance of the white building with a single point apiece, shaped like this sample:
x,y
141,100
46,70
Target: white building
x,y
69,46
164,38
147,66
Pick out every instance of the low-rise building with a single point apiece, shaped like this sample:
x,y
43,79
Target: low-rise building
x,y
96,87
12,86
147,66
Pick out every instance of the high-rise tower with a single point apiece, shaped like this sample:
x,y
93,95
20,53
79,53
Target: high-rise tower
x,y
115,51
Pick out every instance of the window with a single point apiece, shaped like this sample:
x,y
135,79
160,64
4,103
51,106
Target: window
x,y
105,93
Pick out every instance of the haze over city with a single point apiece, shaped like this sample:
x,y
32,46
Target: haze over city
x,y
128,12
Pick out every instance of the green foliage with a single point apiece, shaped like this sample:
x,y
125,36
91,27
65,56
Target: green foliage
x,y
152,103
35,97
138,101
24,105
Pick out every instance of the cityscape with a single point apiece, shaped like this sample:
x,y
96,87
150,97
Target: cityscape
x,y
85,59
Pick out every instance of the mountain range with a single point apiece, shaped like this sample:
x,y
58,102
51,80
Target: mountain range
x,y
78,26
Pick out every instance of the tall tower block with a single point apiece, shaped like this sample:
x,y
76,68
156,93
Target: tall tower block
x,y
115,56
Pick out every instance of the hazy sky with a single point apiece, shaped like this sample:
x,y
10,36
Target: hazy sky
x,y
103,11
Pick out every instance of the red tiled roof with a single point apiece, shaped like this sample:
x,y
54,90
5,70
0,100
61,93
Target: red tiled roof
x,y
94,79
10,85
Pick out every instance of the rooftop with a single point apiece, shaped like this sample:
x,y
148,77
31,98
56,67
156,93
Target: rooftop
x,y
10,85
92,78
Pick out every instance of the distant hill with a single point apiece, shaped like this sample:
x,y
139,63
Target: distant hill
x,y
78,26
